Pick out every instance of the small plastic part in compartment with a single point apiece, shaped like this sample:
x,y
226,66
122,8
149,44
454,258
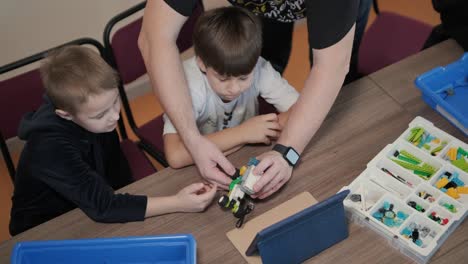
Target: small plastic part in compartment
x,y
445,89
414,160
413,194
420,231
391,212
457,154
427,193
453,182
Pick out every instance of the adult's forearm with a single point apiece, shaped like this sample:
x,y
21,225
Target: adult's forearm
x,y
311,109
157,42
320,91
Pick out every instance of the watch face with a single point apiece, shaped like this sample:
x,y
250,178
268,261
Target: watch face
x,y
292,156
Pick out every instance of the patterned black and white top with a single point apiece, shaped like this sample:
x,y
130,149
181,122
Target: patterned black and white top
x,y
280,10
328,21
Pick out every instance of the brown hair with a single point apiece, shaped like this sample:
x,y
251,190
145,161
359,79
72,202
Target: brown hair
x,y
72,73
229,40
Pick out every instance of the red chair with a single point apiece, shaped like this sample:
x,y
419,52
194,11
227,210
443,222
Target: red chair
x,y
389,39
23,93
124,55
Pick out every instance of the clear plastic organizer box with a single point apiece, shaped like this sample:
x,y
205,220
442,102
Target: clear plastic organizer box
x,y
415,191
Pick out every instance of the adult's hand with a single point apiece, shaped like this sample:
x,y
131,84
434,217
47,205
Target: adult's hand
x,y
275,172
211,162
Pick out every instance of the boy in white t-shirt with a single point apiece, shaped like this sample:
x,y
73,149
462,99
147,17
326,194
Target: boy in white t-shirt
x,y
225,79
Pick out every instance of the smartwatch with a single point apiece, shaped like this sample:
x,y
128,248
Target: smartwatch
x,y
288,153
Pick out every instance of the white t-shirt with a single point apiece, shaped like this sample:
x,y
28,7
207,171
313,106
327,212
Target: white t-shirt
x,y
211,112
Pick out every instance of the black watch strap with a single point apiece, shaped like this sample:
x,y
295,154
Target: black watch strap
x,y
280,148
283,150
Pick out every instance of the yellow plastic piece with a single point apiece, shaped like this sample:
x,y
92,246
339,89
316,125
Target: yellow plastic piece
x,y
463,190
436,141
452,153
242,170
441,183
452,193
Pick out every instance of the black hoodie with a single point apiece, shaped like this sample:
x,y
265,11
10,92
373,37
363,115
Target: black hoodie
x,y
64,166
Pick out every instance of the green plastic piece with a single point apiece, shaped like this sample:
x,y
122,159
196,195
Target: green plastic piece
x,y
418,135
434,151
414,131
461,163
409,155
428,167
234,182
403,158
412,167
461,151
422,173
427,147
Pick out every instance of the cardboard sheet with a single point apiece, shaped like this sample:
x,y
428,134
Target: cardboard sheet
x,y
242,237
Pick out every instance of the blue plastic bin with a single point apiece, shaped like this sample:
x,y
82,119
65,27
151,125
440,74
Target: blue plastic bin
x,y
445,89
148,249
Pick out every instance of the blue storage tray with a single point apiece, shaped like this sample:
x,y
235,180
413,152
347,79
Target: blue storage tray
x,y
445,89
148,249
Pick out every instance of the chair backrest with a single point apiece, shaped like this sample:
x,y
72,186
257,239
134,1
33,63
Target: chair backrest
x,y
23,93
123,46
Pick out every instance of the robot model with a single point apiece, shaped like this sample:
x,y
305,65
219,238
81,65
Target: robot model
x,y
238,199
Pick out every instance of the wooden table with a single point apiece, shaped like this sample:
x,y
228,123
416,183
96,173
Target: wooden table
x,y
368,114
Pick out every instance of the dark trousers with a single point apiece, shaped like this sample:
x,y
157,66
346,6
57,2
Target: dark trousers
x,y
277,41
437,35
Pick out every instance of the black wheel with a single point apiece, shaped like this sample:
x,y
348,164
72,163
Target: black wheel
x,y
223,201
232,203
236,174
244,209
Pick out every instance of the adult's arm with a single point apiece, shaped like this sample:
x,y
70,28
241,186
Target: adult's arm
x,y
157,42
332,43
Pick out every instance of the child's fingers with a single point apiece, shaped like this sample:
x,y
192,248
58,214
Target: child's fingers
x,y
270,117
272,133
274,125
266,140
209,194
194,187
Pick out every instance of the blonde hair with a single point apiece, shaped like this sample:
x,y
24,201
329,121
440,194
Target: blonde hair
x,y
73,73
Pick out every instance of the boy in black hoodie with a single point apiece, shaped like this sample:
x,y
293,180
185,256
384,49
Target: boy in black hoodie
x,y
72,156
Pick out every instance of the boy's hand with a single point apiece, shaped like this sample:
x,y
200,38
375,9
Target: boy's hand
x,y
195,197
261,129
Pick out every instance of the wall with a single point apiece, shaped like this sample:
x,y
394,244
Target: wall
x,y
29,26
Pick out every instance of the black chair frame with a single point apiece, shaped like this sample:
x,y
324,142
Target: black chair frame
x,y
147,146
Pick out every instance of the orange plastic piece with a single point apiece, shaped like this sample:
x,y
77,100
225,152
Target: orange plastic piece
x,y
452,153
441,183
452,193
242,170
463,190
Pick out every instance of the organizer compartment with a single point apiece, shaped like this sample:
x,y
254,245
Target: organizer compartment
x,y
420,231
440,216
456,153
452,182
414,160
390,212
426,137
427,193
